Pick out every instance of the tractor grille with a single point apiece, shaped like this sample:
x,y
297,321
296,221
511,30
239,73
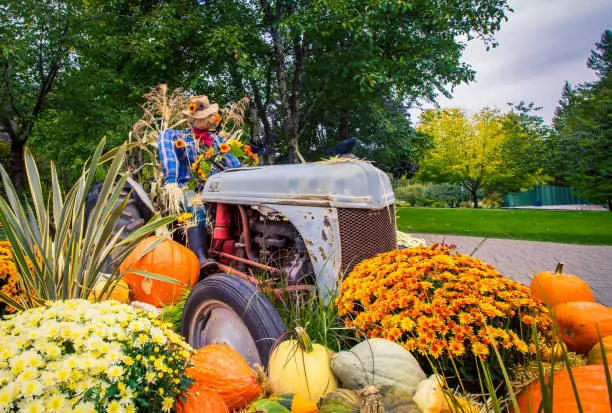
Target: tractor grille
x,y
365,233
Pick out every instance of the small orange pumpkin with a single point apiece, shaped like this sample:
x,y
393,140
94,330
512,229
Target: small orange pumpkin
x,y
168,258
219,368
579,322
200,400
595,356
554,287
592,390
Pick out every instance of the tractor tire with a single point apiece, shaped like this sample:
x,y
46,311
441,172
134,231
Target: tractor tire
x,y
131,218
224,309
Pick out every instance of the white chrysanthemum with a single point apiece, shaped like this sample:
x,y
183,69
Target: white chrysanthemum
x,y
30,388
57,402
29,373
7,395
88,407
114,373
32,406
5,376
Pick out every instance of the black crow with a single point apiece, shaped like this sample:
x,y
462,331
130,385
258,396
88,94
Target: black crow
x,y
345,147
259,149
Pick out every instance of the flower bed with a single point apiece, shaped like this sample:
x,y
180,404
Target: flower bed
x,y
89,357
443,306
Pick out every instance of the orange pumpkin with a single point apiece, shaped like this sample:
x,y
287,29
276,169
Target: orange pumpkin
x,y
595,355
168,258
592,390
579,321
219,368
554,287
200,400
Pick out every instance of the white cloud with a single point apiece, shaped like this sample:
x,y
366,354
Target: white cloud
x,y
544,43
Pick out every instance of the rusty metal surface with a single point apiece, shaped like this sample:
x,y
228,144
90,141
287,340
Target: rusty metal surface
x,y
319,229
232,271
248,262
365,233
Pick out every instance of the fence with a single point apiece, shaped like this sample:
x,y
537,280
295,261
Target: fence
x,y
543,195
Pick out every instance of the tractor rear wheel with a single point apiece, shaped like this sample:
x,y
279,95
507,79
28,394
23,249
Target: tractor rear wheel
x,y
224,309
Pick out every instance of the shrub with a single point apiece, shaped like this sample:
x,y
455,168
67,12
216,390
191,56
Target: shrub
x,y
445,307
89,357
9,279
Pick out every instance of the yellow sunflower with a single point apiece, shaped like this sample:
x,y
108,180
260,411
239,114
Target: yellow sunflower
x,y
179,143
192,107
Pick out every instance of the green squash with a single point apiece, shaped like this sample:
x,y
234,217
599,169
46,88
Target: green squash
x,y
267,406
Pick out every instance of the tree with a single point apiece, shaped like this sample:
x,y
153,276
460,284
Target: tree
x,y
299,58
36,50
583,125
466,149
522,150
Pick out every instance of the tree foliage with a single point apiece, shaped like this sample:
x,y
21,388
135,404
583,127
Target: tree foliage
x,y
581,151
488,151
316,71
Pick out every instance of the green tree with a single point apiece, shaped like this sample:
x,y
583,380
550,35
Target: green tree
x,y
36,50
522,150
299,58
466,150
583,125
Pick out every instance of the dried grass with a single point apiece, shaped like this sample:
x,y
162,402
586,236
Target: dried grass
x,y
528,373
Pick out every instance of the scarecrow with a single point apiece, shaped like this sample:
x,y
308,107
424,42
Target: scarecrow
x,y
178,151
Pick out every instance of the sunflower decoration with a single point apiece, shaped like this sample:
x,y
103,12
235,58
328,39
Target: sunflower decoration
x,y
192,107
180,143
203,166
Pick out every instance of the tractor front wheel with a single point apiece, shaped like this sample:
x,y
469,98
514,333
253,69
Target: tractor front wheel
x,y
224,309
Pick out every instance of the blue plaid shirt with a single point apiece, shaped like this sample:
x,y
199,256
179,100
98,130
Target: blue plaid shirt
x,y
176,162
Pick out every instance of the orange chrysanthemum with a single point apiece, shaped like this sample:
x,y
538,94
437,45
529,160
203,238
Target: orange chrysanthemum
x,y
442,305
209,153
247,150
224,148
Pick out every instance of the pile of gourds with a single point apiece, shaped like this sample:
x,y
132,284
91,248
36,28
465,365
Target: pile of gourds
x,y
377,375
585,327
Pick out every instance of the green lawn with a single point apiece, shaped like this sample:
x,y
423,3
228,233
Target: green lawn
x,y
572,227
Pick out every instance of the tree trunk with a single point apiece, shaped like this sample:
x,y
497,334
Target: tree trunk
x,y
344,124
610,205
17,170
255,127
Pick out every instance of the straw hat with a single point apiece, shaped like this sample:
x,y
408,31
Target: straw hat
x,y
199,107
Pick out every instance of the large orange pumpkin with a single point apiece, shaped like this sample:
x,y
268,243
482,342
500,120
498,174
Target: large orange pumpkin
x,y
595,355
200,400
578,323
219,368
168,258
592,390
554,287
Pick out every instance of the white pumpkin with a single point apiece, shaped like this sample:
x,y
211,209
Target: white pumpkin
x,y
378,362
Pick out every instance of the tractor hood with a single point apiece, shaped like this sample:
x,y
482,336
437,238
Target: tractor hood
x,y
350,184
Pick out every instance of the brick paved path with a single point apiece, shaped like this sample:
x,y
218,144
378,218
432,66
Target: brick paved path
x,y
521,260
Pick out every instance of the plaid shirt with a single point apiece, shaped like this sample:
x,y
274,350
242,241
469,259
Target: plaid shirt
x,y
176,162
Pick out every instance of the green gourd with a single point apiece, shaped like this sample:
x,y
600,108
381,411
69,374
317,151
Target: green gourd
x,y
267,406
295,403
378,362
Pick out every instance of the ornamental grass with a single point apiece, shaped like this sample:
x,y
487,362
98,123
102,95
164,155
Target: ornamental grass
x,y
448,309
87,357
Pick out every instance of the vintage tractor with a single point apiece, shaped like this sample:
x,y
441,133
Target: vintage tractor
x,y
278,230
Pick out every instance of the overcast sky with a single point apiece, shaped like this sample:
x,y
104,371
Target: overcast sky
x,y
543,44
